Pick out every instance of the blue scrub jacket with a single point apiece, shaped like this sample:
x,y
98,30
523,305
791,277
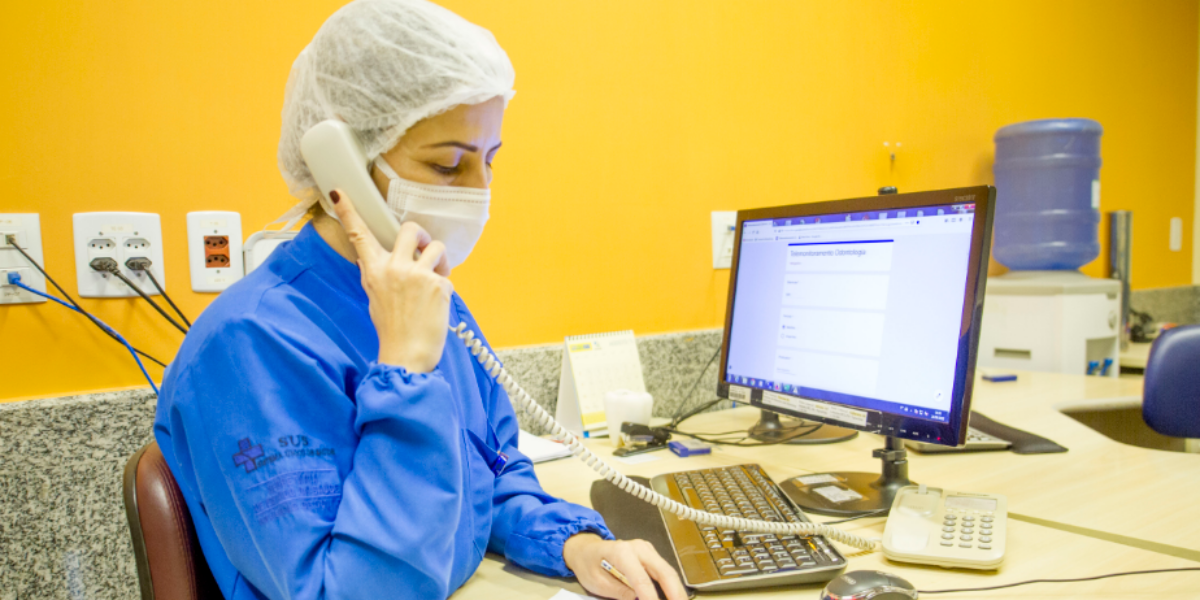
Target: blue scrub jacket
x,y
313,472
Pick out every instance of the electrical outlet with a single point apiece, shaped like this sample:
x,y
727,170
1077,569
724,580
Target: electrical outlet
x,y
119,236
26,228
216,251
214,240
724,224
98,247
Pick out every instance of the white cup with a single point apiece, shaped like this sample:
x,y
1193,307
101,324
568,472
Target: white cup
x,y
621,406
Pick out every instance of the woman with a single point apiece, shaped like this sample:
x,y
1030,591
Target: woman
x,y
331,439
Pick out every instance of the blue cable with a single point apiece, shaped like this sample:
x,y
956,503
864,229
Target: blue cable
x,y
15,279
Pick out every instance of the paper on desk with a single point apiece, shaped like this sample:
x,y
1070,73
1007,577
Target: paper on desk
x,y
566,595
540,449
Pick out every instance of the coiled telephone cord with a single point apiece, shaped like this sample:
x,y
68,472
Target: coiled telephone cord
x,y
683,511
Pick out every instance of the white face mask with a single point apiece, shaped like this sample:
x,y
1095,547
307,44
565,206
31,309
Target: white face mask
x,y
452,215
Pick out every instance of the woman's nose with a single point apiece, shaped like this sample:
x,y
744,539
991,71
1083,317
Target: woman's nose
x,y
476,177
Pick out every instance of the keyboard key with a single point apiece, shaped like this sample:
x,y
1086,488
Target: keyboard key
x,y
739,571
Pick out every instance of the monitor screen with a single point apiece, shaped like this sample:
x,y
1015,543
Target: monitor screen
x,y
848,312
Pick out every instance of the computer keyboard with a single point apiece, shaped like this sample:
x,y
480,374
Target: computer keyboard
x,y
714,559
976,441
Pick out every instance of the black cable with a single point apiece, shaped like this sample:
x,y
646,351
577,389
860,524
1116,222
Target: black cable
x,y
741,442
743,433
1076,580
675,420
875,513
694,412
710,437
13,242
110,266
144,267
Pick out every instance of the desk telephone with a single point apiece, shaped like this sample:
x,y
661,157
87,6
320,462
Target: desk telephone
x,y
337,161
949,529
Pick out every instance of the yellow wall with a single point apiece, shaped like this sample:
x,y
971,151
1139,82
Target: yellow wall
x,y
633,120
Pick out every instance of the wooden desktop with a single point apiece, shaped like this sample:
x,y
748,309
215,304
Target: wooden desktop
x,y
1102,507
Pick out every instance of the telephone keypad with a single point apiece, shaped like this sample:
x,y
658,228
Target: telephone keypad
x,y
961,528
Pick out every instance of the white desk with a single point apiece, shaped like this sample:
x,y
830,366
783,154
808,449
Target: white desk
x,y
1101,507
1136,355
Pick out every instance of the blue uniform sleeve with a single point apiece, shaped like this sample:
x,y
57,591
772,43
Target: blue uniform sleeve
x,y
529,526
324,496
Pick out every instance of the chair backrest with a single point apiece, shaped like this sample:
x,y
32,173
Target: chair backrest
x,y
1171,400
169,561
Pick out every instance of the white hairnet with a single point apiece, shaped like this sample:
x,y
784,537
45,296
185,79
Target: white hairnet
x,y
381,66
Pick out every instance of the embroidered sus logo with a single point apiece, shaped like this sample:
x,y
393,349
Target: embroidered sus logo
x,y
247,454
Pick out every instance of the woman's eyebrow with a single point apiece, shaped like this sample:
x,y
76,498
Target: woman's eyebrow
x,y
464,146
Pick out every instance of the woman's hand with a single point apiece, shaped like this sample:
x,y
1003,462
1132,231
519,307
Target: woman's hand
x,y
635,559
409,297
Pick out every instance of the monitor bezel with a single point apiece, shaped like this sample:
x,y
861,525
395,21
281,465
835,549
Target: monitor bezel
x,y
951,433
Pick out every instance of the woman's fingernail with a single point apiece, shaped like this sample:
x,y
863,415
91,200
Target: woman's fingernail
x,y
335,196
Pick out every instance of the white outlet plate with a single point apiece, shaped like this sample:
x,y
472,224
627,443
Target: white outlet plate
x,y
1175,240
723,226
28,229
120,236
203,225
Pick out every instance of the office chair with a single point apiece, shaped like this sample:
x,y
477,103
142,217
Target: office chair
x,y
169,561
1171,400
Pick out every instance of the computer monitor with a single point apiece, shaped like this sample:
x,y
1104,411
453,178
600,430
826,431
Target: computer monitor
x,y
864,314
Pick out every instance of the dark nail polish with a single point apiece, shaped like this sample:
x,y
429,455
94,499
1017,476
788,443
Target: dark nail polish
x,y
335,196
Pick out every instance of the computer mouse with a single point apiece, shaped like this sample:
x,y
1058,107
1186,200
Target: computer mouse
x,y
868,585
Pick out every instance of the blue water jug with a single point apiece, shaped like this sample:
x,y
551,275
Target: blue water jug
x,y
1048,194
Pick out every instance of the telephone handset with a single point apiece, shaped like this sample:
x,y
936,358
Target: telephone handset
x,y
337,161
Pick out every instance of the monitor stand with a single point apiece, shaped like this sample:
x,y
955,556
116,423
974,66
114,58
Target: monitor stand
x,y
769,429
853,493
